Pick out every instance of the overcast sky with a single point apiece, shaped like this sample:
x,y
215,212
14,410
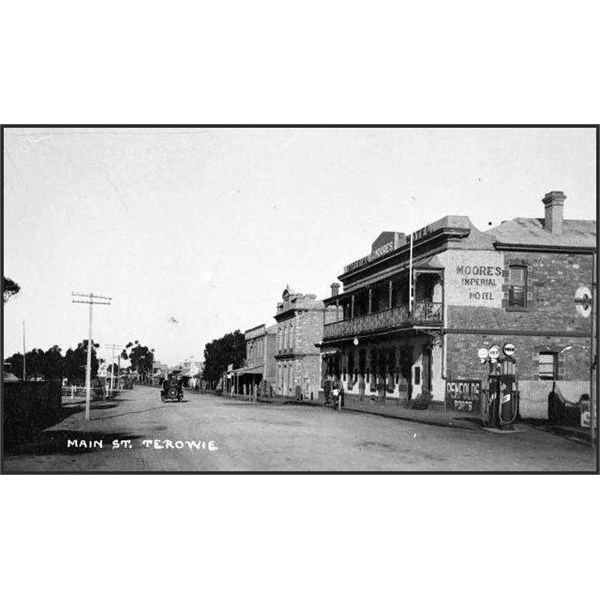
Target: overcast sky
x,y
207,226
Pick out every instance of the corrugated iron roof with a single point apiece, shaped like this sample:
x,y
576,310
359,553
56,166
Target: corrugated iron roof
x,y
525,231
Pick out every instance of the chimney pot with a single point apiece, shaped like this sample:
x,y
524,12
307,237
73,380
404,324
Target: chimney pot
x,y
335,289
553,221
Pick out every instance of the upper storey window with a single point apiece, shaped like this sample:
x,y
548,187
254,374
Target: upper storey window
x,y
517,286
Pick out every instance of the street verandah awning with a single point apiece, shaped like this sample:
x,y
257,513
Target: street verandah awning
x,y
326,351
255,370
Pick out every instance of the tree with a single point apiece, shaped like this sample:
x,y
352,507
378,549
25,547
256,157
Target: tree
x,y
141,358
51,364
222,352
76,360
9,288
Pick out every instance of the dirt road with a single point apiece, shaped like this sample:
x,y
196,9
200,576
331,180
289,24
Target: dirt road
x,y
139,433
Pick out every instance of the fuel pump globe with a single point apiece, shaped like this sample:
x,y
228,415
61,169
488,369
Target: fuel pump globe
x,y
508,349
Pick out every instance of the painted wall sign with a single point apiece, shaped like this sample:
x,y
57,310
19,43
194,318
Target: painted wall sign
x,y
482,280
463,395
377,252
382,250
473,278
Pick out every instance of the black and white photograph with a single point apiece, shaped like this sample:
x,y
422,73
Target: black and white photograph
x,y
255,299
299,300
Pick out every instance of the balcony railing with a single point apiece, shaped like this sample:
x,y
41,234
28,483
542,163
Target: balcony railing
x,y
424,313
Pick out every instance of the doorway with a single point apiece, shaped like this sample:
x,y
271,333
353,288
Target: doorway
x,y
426,371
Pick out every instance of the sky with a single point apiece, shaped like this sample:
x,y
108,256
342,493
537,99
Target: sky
x,y
194,233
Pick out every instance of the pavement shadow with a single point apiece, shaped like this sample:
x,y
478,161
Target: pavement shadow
x,y
67,442
131,412
174,401
17,433
474,420
104,405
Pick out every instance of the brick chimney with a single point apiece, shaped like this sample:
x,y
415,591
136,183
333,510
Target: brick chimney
x,y
553,222
335,289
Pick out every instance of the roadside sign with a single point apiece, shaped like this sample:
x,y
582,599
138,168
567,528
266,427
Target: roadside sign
x,y
583,301
508,349
494,352
482,353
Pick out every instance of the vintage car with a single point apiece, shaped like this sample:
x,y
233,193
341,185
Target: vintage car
x,y
172,390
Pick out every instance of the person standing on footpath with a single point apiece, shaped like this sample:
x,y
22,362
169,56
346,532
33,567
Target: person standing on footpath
x,y
326,389
338,392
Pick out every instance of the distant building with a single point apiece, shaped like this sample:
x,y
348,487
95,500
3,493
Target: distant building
x,y
159,369
189,370
259,368
527,282
7,374
299,328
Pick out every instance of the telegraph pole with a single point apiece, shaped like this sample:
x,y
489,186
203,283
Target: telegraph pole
x,y
24,353
90,299
410,277
119,371
114,347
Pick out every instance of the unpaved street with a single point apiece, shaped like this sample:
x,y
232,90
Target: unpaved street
x,y
139,433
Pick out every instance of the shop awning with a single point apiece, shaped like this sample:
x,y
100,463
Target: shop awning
x,y
328,350
248,370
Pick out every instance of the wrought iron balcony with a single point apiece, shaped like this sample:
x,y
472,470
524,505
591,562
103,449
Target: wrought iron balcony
x,y
424,313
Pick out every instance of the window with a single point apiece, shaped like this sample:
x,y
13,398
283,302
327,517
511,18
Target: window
x,y
548,367
417,375
517,290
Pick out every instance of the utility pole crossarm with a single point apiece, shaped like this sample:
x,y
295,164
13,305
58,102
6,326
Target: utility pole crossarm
x,y
91,296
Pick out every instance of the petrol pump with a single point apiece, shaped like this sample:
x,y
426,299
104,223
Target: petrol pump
x,y
503,399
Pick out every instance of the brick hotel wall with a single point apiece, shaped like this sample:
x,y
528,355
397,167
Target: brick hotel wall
x,y
552,281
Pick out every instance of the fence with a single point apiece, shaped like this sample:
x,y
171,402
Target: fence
x,y
74,391
535,396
